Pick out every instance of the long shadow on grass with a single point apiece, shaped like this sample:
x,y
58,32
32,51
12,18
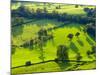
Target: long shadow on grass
x,y
63,65
80,42
74,47
89,41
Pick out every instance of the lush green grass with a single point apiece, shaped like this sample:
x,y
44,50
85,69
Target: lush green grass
x,y
60,37
25,32
53,67
28,31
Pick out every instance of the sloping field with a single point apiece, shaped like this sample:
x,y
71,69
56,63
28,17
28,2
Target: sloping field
x,y
42,54
80,44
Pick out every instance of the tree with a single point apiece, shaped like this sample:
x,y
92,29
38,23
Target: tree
x,y
39,13
42,32
45,10
58,7
70,36
77,34
28,63
76,6
91,31
31,43
89,54
86,9
62,54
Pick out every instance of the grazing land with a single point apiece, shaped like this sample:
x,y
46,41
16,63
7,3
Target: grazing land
x,y
36,42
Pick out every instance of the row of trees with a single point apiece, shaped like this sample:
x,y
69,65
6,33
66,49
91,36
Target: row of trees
x,y
43,13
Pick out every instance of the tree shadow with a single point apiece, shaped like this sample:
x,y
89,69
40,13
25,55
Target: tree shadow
x,y
89,41
80,42
74,47
63,65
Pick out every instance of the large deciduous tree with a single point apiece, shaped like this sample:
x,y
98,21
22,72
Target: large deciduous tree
x,y
62,54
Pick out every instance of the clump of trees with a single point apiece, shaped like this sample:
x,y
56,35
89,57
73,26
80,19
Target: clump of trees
x,y
91,12
17,21
43,13
42,32
28,44
91,29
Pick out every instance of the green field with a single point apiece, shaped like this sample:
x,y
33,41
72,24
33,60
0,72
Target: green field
x,y
70,9
28,31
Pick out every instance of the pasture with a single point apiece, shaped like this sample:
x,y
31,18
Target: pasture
x,y
48,51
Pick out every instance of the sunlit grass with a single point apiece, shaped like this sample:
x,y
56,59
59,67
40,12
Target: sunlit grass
x,y
60,37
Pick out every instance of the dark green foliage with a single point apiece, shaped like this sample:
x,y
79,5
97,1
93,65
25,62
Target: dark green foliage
x,y
62,54
77,34
58,7
91,12
43,13
91,31
93,49
89,54
17,21
45,10
76,6
70,36
86,9
28,63
31,42
25,44
13,49
42,32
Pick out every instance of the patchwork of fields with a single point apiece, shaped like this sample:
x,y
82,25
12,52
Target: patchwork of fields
x,y
39,53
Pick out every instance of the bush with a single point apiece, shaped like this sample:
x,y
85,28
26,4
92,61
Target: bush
x,y
70,36
76,6
28,63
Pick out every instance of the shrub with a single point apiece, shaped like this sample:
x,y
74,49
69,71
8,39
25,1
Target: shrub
x,y
28,63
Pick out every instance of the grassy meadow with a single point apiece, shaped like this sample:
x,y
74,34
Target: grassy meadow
x,y
27,31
